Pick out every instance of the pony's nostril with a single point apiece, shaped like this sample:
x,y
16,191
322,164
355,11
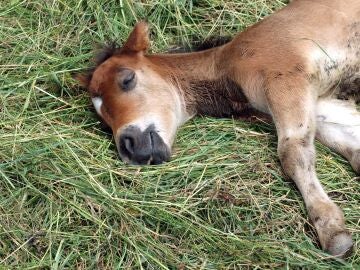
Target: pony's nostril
x,y
128,145
151,134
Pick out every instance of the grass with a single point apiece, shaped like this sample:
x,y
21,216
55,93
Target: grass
x,y
68,202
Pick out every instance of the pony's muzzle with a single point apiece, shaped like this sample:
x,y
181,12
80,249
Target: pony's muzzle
x,y
142,147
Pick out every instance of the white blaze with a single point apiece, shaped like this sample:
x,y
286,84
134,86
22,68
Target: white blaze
x,y
97,101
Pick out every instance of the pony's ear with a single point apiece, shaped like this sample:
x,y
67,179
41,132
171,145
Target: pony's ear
x,y
138,40
83,79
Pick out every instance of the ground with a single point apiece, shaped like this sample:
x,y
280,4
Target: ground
x,y
68,202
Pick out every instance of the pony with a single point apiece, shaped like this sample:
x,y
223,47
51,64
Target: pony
x,y
300,66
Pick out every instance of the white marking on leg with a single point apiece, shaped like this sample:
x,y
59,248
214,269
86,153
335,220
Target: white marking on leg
x,y
338,127
338,122
337,112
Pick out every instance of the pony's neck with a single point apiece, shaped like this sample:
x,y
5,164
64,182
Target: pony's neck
x,y
190,66
204,80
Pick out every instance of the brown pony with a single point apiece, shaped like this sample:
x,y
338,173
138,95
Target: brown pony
x,y
300,66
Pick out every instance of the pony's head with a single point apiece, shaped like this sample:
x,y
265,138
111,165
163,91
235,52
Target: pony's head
x,y
136,98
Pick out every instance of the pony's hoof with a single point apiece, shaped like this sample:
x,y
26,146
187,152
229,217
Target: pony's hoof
x,y
355,161
340,245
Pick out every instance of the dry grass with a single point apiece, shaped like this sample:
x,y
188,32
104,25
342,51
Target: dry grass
x,y
67,202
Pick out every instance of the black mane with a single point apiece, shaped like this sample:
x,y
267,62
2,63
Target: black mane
x,y
211,42
197,45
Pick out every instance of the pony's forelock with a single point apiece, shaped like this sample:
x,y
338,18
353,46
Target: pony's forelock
x,y
105,52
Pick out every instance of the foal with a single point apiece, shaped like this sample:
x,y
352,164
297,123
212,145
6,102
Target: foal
x,y
301,66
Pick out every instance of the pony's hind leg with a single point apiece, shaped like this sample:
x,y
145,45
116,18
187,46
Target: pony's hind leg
x,y
338,127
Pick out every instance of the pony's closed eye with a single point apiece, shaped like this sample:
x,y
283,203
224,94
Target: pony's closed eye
x,y
127,79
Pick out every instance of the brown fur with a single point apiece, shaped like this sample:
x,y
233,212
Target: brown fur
x,y
291,66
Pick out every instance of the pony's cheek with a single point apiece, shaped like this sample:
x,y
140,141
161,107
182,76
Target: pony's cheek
x,y
103,113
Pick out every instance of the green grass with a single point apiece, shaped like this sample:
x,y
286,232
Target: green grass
x,y
68,202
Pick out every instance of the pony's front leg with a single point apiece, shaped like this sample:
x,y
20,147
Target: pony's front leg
x,y
294,116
